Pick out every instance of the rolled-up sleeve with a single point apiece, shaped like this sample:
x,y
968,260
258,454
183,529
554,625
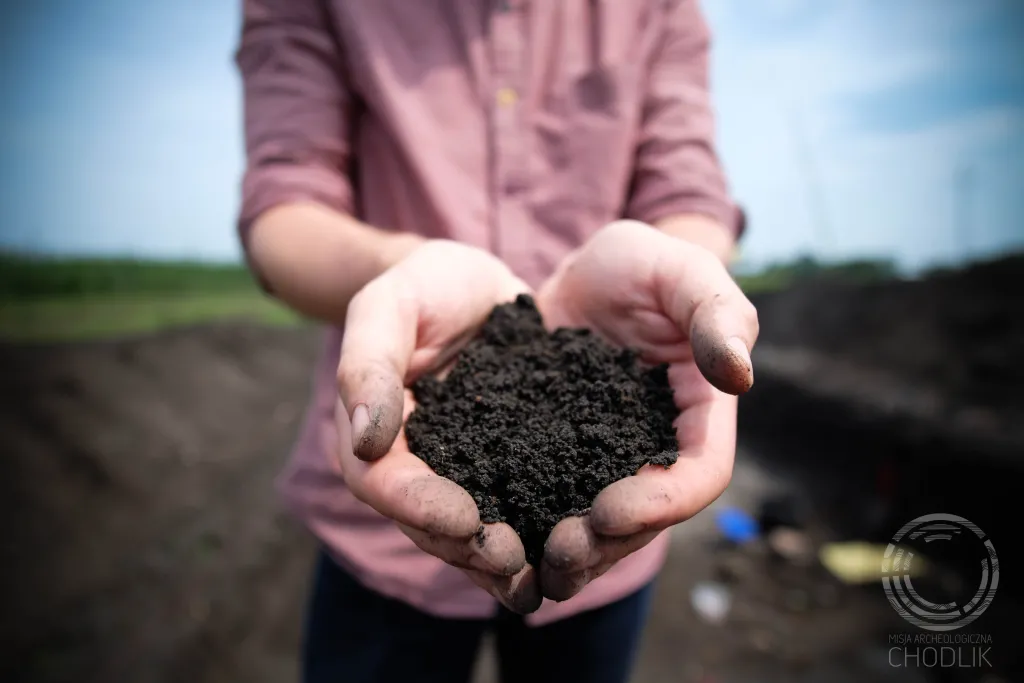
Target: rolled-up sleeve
x,y
297,109
677,169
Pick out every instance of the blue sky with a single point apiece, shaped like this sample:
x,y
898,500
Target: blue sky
x,y
843,124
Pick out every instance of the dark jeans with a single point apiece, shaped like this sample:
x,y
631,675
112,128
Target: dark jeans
x,y
355,635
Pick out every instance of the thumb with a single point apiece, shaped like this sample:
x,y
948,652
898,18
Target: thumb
x,y
379,340
703,300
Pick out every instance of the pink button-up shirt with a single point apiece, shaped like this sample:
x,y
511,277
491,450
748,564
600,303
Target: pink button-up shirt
x,y
517,126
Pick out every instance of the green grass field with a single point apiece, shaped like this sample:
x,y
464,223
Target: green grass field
x,y
76,299
72,300
99,316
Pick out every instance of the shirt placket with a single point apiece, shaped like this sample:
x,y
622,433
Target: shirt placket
x,y
508,62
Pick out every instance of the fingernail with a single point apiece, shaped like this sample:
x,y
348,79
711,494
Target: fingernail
x,y
739,349
360,421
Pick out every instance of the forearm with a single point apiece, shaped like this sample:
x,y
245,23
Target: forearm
x,y
315,259
703,231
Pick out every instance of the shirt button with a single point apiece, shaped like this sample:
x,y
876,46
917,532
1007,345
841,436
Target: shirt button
x,y
507,97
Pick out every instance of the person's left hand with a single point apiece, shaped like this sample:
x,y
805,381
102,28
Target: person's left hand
x,y
675,303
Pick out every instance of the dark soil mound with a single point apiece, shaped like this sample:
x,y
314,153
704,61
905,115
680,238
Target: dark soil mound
x,y
935,361
534,424
142,538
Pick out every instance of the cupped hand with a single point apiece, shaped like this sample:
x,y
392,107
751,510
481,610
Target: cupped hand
x,y
676,303
410,321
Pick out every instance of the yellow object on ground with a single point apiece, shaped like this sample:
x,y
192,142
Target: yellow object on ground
x,y
861,562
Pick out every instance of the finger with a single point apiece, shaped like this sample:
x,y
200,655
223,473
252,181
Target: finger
x,y
404,488
575,546
560,586
591,556
380,337
453,551
422,501
701,298
519,593
614,548
571,546
722,335
657,497
493,549
500,549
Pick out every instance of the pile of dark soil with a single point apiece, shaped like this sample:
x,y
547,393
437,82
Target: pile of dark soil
x,y
533,424
142,538
960,332
934,361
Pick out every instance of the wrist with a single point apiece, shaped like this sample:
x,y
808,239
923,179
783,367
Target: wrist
x,y
703,231
396,246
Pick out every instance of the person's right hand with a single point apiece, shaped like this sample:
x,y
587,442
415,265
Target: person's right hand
x,y
410,321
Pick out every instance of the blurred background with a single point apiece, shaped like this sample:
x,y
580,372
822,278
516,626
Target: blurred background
x,y
150,392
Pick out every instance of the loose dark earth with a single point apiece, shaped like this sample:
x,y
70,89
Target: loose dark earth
x,y
533,424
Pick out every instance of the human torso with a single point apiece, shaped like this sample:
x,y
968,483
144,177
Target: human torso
x,y
510,126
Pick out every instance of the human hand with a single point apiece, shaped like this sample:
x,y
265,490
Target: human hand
x,y
675,303
408,322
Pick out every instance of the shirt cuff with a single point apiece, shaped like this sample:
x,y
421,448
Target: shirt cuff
x,y
731,215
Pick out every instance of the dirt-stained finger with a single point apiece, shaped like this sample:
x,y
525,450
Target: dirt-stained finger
x,y
432,504
497,548
562,580
722,334
614,548
625,507
375,426
571,546
560,586
379,341
519,593
490,550
453,551
656,498
373,398
705,303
